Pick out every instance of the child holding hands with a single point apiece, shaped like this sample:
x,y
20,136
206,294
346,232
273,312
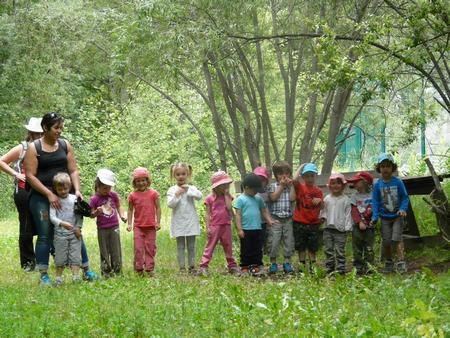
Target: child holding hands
x,y
363,235
249,208
144,217
67,229
219,213
185,224
337,216
106,207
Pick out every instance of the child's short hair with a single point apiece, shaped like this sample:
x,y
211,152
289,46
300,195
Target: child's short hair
x,y
61,179
180,165
386,157
281,167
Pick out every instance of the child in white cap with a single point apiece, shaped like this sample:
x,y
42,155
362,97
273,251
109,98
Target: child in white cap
x,y
106,207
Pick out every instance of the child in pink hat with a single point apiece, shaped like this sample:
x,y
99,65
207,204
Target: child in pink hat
x,y
144,217
219,213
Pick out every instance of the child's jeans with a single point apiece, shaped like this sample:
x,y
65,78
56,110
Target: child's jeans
x,y
110,250
218,233
362,242
281,233
251,248
181,245
144,248
334,248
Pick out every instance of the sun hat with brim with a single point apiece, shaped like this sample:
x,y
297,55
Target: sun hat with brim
x,y
337,176
140,172
107,177
253,181
309,168
384,157
261,171
34,125
363,175
220,177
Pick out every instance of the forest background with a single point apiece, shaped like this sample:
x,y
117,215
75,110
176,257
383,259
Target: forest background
x,y
227,84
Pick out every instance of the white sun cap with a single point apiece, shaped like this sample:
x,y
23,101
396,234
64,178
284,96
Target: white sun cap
x,y
34,125
107,177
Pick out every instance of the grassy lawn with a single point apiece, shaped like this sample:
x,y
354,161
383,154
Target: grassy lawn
x,y
171,304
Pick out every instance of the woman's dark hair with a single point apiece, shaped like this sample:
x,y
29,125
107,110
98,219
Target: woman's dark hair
x,y
393,165
50,119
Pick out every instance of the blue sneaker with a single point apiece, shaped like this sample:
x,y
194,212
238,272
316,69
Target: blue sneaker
x,y
273,268
287,267
89,276
45,280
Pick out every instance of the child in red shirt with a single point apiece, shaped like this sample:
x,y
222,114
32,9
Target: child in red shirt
x,y
306,220
144,217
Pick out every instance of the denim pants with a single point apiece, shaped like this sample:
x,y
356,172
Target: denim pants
x,y
39,208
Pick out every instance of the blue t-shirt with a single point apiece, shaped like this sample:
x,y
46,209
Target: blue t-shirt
x,y
250,207
388,198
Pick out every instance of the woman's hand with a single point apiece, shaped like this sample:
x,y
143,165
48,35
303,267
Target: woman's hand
x,y
79,194
54,201
77,232
20,177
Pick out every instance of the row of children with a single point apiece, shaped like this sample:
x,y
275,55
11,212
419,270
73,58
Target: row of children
x,y
287,212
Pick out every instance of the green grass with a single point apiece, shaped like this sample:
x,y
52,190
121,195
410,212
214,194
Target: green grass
x,y
171,304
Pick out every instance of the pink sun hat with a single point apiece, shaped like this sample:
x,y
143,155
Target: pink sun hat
x,y
141,172
262,171
337,176
220,177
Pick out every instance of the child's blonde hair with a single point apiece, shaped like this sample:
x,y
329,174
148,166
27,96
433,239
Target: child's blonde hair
x,y
61,179
180,165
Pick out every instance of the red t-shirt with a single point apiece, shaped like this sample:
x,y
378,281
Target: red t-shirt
x,y
144,207
305,212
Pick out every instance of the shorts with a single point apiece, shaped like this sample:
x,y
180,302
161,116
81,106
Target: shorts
x,y
67,250
392,230
306,237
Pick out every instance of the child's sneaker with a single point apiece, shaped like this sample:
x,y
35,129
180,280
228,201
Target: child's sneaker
x,y
273,268
234,270
58,281
192,270
202,272
388,267
89,276
400,267
287,268
45,280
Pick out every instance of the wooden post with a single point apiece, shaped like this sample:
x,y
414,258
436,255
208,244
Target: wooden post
x,y
439,203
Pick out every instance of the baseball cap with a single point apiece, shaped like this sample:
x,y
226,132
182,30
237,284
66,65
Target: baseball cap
x,y
107,177
309,168
34,125
141,172
337,176
261,171
220,177
384,157
363,175
253,181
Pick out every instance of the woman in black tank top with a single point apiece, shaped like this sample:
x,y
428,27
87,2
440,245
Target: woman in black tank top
x,y
44,158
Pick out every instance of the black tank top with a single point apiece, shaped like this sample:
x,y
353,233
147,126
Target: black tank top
x,y
49,164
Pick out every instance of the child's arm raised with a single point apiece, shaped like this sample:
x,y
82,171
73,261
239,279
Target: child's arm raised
x,y
298,173
174,196
194,192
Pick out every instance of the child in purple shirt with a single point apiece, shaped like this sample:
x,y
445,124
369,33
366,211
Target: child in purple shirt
x,y
219,213
105,205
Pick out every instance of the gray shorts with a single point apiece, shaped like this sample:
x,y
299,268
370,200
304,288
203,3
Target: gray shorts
x,y
67,250
392,230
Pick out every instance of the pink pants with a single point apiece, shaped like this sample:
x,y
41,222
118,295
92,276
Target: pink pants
x,y
218,233
144,248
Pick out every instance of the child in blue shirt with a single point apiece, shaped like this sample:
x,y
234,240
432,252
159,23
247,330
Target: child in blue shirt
x,y
389,203
249,208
